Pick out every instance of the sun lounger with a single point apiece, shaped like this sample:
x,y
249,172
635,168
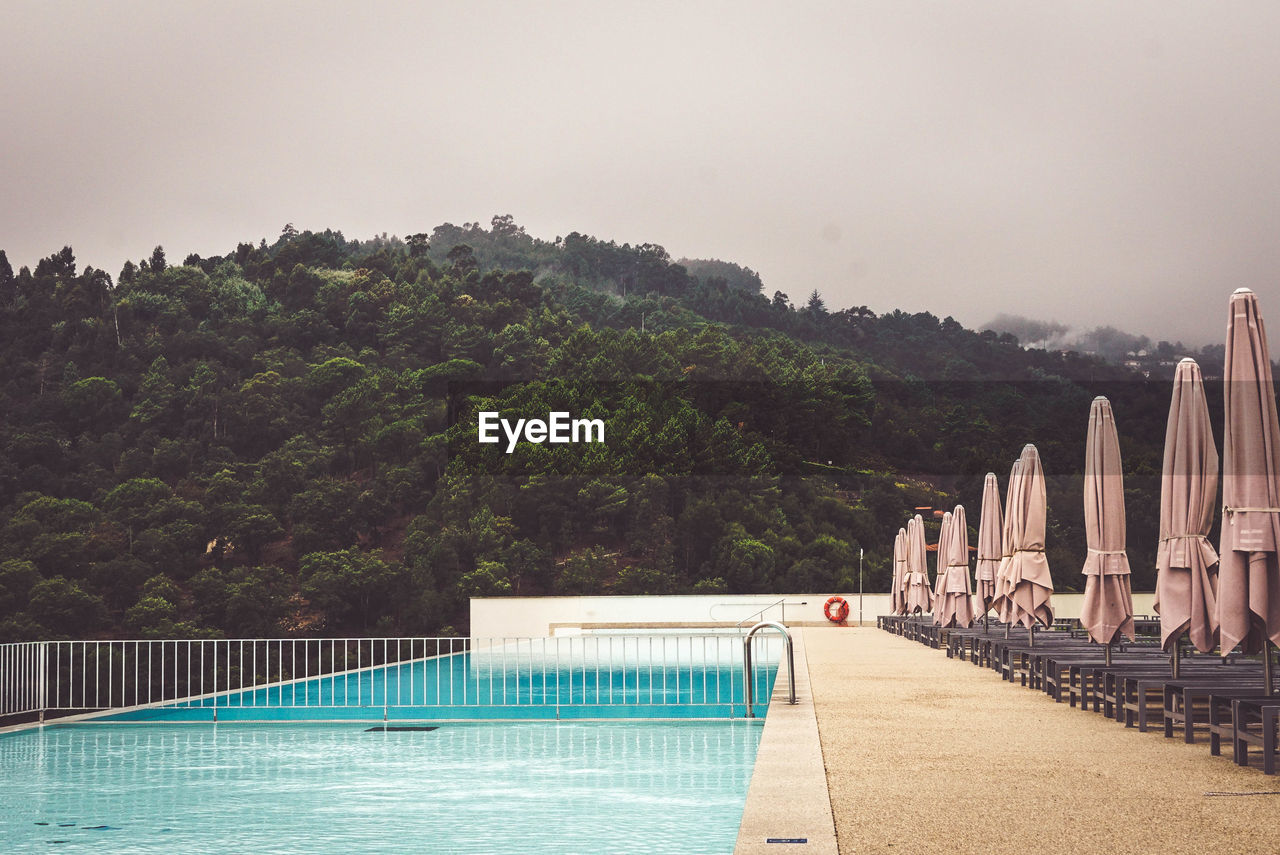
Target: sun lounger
x,y
1186,699
1222,718
1245,714
1136,694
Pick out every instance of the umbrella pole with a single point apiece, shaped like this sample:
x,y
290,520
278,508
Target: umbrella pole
x,y
1175,658
1031,635
1266,668
1106,656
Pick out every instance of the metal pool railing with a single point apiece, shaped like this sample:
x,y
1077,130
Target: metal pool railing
x,y
22,671
432,676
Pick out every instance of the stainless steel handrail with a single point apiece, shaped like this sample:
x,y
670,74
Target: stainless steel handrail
x,y
760,614
748,683
739,604
748,602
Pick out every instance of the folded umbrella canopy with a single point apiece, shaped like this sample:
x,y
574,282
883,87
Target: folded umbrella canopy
x,y
1108,600
1030,583
1186,584
1248,574
919,598
1003,605
989,552
957,606
940,566
899,592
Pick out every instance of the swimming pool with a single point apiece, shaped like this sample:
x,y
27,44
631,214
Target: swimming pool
x,y
591,744
468,787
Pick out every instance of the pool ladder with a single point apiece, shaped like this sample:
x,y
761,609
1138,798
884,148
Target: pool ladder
x,y
747,669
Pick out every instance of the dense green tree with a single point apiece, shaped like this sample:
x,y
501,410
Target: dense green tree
x,y
155,396
746,564
816,305
64,609
350,586
251,528
152,617
158,263
17,577
6,279
256,603
92,404
489,579
244,443
585,573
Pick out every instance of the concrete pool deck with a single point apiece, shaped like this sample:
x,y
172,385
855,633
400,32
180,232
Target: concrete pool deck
x,y
787,808
925,754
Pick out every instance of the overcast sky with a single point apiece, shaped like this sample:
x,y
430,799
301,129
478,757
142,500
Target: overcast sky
x,y
1087,162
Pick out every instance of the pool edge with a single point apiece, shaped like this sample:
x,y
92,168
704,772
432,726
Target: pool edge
x,y
788,799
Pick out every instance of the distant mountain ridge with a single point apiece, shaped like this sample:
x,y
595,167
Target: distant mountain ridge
x,y
282,439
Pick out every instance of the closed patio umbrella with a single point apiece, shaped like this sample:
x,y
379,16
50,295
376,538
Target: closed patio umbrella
x,y
957,603
1108,601
919,598
989,526
1003,605
1186,585
940,566
1030,583
899,593
1248,574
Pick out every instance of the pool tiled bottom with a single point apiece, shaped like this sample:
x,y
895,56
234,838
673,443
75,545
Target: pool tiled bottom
x,y
526,787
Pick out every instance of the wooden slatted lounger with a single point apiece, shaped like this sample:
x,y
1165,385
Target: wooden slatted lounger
x,y
1186,701
1055,667
1113,679
1264,713
1083,680
1222,708
1141,695
1086,681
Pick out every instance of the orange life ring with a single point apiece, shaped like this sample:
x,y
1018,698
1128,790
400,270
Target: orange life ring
x,y
841,609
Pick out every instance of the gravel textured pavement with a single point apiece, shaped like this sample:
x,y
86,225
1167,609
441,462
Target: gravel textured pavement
x,y
929,754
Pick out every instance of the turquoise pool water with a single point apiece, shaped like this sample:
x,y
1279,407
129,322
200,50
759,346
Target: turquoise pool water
x,y
631,678
467,787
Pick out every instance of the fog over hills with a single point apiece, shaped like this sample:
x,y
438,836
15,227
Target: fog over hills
x,y
1099,164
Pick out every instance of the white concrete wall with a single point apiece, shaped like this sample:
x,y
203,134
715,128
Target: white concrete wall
x,y
536,617
542,616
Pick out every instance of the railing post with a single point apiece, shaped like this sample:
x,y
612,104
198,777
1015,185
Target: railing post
x,y
44,679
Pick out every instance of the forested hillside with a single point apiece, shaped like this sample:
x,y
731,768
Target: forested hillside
x,y
283,440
